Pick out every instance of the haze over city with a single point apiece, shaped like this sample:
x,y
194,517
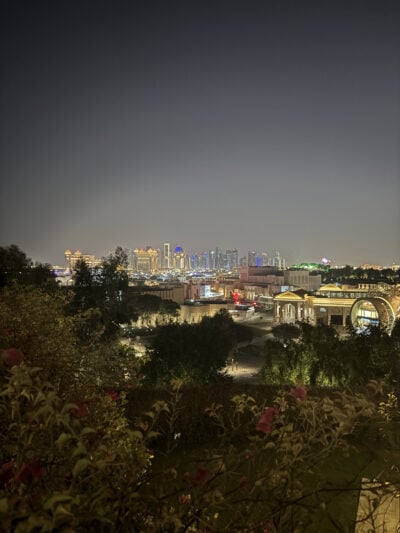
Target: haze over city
x,y
256,125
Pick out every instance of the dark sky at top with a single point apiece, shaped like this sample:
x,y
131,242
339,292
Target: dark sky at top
x,y
270,125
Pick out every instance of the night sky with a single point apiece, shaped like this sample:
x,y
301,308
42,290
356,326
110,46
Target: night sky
x,y
270,125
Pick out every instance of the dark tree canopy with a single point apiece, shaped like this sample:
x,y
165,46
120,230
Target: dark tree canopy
x,y
106,289
195,353
286,333
16,267
353,276
320,357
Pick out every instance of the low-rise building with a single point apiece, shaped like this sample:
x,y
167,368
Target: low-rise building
x,y
338,306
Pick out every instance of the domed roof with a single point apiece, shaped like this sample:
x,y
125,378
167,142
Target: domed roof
x,y
67,252
178,249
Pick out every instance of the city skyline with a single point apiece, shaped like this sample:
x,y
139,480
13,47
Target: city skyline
x,y
265,125
228,258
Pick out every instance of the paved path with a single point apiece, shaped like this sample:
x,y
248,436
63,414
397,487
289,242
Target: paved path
x,y
246,368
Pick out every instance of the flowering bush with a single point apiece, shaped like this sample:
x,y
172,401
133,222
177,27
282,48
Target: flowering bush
x,y
80,466
65,465
265,422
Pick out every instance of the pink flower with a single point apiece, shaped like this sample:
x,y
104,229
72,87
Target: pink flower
x,y
113,394
299,392
184,498
79,410
266,419
245,484
269,527
6,474
12,357
199,478
29,471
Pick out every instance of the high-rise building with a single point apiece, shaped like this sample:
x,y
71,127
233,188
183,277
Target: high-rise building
x,y
252,259
219,258
205,261
179,258
166,261
145,260
211,260
264,259
278,261
231,259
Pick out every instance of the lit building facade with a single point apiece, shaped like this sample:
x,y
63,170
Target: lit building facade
x,y
179,259
231,259
145,260
339,306
166,259
302,279
71,259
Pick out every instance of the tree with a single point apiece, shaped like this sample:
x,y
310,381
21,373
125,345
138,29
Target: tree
x,y
320,357
35,323
73,466
196,353
371,354
286,333
106,289
15,266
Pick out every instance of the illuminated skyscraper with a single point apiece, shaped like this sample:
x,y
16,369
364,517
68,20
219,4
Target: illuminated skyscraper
x,y
166,255
278,261
179,258
231,259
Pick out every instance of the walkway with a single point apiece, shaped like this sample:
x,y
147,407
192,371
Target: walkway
x,y
245,368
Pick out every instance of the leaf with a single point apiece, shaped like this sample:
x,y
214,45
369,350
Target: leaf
x,y
80,466
56,499
4,506
63,439
80,449
136,434
87,431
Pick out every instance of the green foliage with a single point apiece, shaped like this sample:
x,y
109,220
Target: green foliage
x,y
67,469
194,353
320,357
80,466
255,480
62,346
286,333
105,289
34,322
396,331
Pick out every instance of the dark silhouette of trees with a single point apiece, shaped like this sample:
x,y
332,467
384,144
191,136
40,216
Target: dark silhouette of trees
x,y
353,276
194,353
286,333
16,267
105,289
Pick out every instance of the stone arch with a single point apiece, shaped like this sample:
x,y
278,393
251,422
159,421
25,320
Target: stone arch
x,y
372,311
